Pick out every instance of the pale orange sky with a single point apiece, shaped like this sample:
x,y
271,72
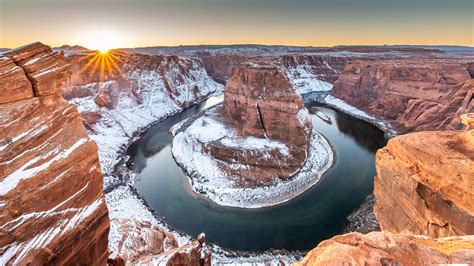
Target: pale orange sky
x,y
128,23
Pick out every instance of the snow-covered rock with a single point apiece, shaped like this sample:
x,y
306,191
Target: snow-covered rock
x,y
209,180
116,109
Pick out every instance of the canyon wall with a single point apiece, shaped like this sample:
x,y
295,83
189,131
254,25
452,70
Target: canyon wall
x,y
52,208
324,67
424,186
425,183
119,94
410,94
260,101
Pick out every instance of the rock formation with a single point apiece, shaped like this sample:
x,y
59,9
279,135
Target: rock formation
x,y
130,93
261,105
325,67
260,101
412,95
425,183
260,137
147,244
52,208
47,71
383,248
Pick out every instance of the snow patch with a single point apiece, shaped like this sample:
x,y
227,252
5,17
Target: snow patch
x,y
209,181
356,112
305,81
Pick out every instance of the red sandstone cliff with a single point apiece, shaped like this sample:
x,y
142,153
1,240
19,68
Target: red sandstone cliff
x,y
425,183
260,101
383,248
412,95
323,67
424,186
118,96
52,208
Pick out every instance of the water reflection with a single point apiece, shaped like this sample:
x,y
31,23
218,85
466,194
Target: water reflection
x,y
299,224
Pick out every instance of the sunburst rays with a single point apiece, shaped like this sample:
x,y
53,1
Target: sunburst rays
x,y
105,64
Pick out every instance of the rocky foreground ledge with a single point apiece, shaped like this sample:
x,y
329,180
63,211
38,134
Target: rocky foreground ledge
x,y
424,205
258,149
52,207
425,184
383,248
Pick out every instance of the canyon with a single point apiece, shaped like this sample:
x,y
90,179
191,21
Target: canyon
x,y
69,115
47,154
411,95
256,145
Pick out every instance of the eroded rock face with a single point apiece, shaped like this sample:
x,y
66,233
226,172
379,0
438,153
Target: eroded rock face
x,y
383,248
147,244
425,183
14,85
141,239
260,101
413,95
47,71
326,68
52,208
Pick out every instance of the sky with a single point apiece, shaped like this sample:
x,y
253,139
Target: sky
x,y
140,23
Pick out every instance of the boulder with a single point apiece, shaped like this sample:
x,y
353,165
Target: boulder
x,y
141,239
146,244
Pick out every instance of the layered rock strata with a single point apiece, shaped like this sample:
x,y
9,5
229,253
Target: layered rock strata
x,y
117,104
52,208
425,183
411,95
261,102
257,140
383,248
132,92
309,73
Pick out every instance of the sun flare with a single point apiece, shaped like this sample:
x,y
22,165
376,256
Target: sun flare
x,y
102,41
102,65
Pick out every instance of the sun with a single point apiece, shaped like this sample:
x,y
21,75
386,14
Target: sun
x,y
102,41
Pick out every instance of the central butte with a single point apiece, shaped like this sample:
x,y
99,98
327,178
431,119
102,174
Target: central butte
x,y
257,149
